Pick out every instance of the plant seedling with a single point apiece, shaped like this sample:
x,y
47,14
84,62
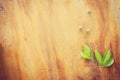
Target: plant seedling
x,y
86,52
106,60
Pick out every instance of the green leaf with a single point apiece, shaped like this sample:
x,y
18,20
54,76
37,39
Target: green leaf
x,y
109,63
106,57
98,57
87,50
84,55
105,54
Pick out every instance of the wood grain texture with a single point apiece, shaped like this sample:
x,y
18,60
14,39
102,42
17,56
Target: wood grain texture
x,y
41,39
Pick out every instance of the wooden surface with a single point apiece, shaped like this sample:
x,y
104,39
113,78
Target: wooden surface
x,y
42,39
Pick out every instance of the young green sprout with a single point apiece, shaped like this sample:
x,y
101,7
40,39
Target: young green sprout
x,y
104,61
86,52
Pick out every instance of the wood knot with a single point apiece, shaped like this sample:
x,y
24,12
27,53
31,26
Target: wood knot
x,y
79,77
1,8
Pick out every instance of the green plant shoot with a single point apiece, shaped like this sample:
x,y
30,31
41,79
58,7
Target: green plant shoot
x,y
106,60
86,52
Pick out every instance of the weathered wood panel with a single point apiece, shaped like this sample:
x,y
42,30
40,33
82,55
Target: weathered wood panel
x,y
41,39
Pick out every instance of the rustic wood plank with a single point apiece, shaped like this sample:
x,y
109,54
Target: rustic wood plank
x,y
42,39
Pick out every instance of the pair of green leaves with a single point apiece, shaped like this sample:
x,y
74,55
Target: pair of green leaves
x,y
104,61
86,52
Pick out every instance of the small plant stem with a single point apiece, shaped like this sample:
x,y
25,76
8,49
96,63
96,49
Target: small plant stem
x,y
100,69
92,58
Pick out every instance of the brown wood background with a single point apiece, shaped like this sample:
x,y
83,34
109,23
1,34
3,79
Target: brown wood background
x,y
42,40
